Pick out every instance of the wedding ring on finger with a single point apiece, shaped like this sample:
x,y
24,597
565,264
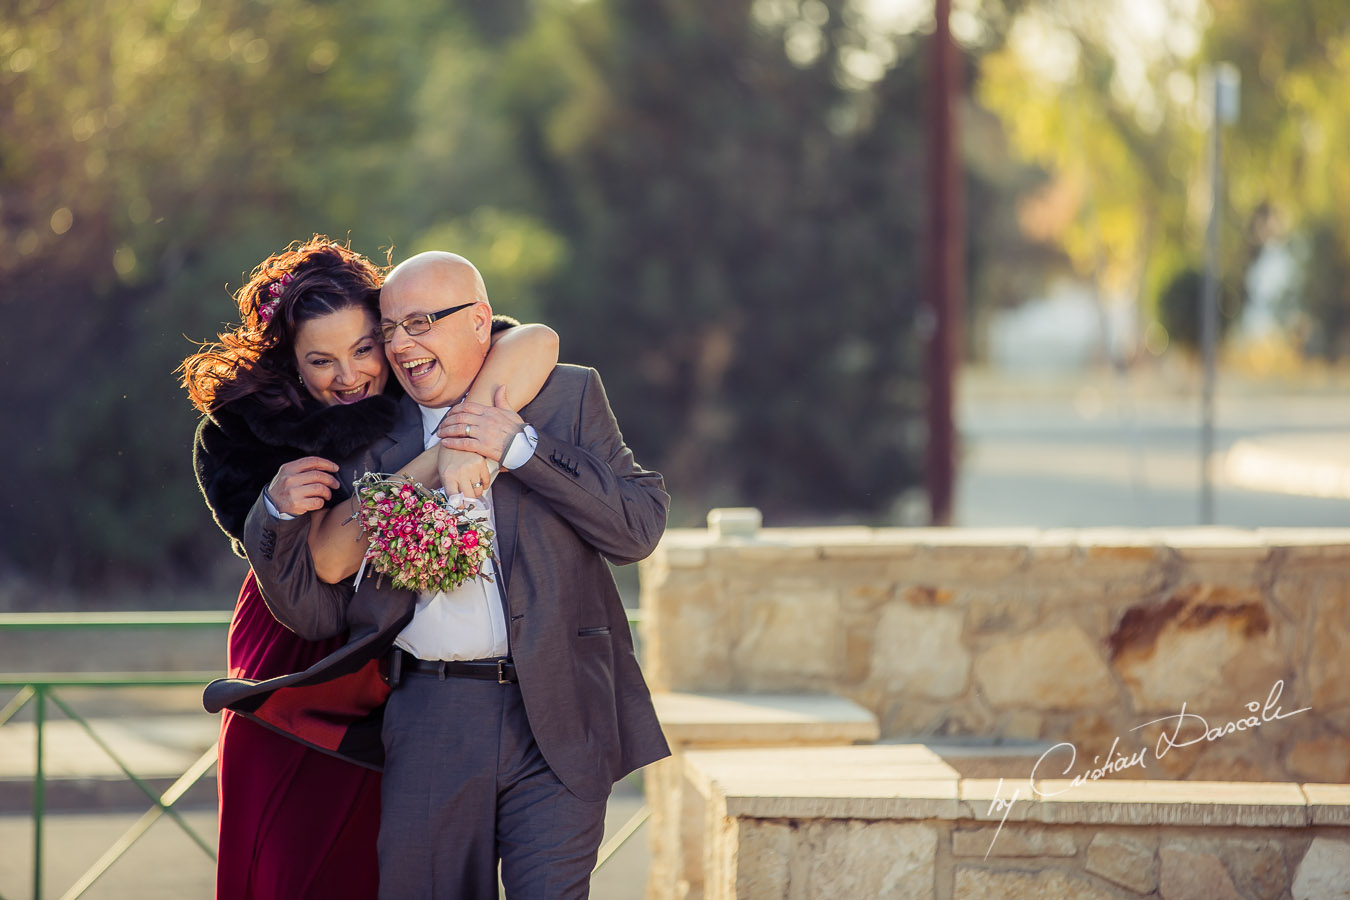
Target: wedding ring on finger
x,y
468,430
478,485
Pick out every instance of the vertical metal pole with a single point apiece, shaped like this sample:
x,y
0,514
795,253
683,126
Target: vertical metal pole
x,y
39,790
1209,314
946,265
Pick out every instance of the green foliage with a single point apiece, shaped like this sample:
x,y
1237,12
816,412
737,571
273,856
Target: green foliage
x,y
151,153
744,232
1325,290
719,204
1288,145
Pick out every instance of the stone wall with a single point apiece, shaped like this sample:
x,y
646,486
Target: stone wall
x,y
899,822
1079,636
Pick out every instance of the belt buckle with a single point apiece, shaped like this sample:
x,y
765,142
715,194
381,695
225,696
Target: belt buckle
x,y
501,672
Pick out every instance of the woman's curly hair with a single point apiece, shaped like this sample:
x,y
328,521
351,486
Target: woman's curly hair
x,y
305,281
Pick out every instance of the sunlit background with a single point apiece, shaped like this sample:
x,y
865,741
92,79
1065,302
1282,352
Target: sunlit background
x,y
718,203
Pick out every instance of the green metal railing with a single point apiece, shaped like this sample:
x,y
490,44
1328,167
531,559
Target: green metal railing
x,y
41,688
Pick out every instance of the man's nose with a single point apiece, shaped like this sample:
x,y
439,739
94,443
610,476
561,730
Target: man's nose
x,y
399,341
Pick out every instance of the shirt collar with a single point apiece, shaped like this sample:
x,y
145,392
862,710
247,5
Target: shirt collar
x,y
431,419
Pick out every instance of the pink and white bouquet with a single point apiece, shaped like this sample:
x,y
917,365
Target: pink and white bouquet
x,y
416,537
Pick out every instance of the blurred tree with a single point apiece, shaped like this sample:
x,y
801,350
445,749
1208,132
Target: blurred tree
x,y
151,152
1285,163
1179,311
1104,98
741,187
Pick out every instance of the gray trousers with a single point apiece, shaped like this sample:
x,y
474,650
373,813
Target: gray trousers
x,y
464,786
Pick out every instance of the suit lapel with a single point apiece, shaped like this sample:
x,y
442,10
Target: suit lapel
x,y
405,441
506,514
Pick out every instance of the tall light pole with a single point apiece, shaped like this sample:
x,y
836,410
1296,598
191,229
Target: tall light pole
x,y
945,266
1225,83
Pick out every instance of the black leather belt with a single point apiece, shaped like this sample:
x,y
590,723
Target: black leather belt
x,y
502,671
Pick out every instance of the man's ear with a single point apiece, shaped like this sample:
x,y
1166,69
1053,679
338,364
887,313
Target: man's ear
x,y
482,320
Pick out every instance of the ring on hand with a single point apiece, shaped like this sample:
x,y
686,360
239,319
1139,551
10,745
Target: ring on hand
x,y
478,484
468,430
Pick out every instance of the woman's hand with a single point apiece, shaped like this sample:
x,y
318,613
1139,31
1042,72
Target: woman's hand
x,y
303,485
462,472
486,431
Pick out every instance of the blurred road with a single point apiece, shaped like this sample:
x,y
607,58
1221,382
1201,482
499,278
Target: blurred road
x,y
166,864
1102,450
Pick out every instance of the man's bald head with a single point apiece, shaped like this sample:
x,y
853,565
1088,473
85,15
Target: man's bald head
x,y
437,366
450,270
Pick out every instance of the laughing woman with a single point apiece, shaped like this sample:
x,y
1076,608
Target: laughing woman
x,y
301,383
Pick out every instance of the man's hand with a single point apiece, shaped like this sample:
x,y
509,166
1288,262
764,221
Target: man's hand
x,y
303,485
485,430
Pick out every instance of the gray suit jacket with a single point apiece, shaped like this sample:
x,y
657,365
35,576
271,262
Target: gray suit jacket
x,y
581,500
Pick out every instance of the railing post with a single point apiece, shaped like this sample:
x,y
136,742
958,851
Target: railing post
x,y
39,790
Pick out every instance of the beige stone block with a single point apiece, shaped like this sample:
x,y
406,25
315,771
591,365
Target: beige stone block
x,y
918,652
1138,803
859,645
1022,725
1126,858
860,782
968,717
660,787
1013,841
1328,804
674,556
1328,663
1095,735
926,595
1218,543
1008,541
1325,759
1246,756
687,639
1000,612
762,719
890,860
1164,761
884,544
1053,547
788,641
760,857
912,717
1188,875
1213,657
865,596
1256,866
1058,668
1316,545
1324,872
1047,884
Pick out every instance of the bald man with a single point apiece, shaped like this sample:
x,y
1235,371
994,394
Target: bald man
x,y
516,703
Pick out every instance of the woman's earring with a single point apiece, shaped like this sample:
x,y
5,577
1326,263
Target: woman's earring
x,y
300,378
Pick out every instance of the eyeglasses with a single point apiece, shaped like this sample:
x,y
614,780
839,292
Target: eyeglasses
x,y
415,325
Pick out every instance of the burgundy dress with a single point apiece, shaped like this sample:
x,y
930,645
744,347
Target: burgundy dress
x,y
295,822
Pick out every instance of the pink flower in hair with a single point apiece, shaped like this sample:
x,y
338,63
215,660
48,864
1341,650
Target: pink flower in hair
x,y
278,287
274,290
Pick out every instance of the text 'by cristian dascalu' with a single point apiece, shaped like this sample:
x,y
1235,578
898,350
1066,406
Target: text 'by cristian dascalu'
x,y
1197,729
